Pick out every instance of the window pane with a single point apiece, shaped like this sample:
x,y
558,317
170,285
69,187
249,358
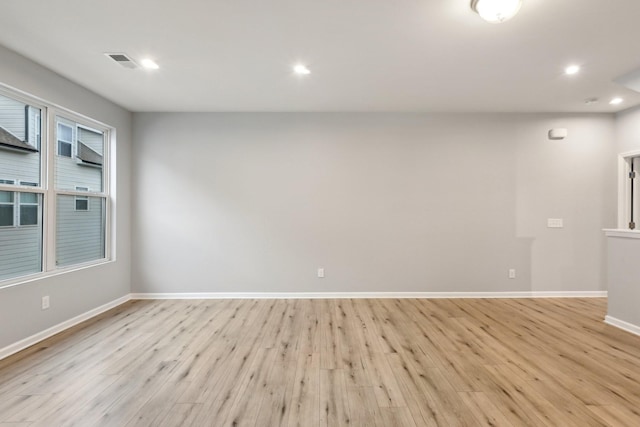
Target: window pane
x,y
64,149
6,216
21,247
28,198
19,141
65,133
80,158
28,215
82,204
6,196
80,235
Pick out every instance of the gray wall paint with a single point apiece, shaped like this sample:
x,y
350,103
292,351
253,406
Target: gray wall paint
x,y
628,130
384,202
624,254
77,292
624,279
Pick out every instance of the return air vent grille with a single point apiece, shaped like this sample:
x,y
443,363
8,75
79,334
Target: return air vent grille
x,y
123,60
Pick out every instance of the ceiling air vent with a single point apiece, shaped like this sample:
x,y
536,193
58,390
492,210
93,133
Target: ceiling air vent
x,y
123,60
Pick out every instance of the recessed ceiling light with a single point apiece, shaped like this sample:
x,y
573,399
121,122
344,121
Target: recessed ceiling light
x,y
616,101
572,69
496,11
301,70
149,64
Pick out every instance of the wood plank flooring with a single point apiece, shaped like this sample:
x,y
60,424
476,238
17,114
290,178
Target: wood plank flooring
x,y
373,363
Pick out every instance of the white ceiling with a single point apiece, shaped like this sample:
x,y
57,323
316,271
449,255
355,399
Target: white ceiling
x,y
364,55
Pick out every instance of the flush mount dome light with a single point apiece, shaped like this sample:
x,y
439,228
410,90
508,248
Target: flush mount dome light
x,y
496,11
572,69
149,64
301,70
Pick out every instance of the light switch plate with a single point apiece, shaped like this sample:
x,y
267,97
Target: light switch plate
x,y
555,223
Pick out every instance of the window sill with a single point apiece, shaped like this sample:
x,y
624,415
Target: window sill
x,y
8,283
622,233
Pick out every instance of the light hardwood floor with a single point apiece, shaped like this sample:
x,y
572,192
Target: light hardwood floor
x,y
463,362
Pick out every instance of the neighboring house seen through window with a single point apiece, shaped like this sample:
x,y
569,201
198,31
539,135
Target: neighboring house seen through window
x,y
65,140
7,205
82,202
29,204
65,194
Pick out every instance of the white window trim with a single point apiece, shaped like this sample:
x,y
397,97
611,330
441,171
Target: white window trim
x,y
49,151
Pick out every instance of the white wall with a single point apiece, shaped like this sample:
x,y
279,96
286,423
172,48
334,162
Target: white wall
x,y
384,202
77,292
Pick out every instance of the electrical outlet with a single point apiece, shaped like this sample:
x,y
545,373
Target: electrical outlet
x,y
512,273
321,273
45,302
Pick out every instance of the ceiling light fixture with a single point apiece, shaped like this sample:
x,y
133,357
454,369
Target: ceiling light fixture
x,y
572,69
496,11
616,101
301,70
149,64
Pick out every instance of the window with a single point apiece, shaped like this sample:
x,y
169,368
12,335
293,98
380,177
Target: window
x,y
29,206
82,202
80,217
7,206
36,130
65,140
71,200
80,236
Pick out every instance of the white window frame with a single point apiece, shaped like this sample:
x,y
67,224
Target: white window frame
x,y
48,193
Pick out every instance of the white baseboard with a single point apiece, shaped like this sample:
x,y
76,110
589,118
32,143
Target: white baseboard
x,y
355,295
626,326
40,336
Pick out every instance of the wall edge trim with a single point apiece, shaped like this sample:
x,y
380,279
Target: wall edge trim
x,y
372,295
621,324
60,327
